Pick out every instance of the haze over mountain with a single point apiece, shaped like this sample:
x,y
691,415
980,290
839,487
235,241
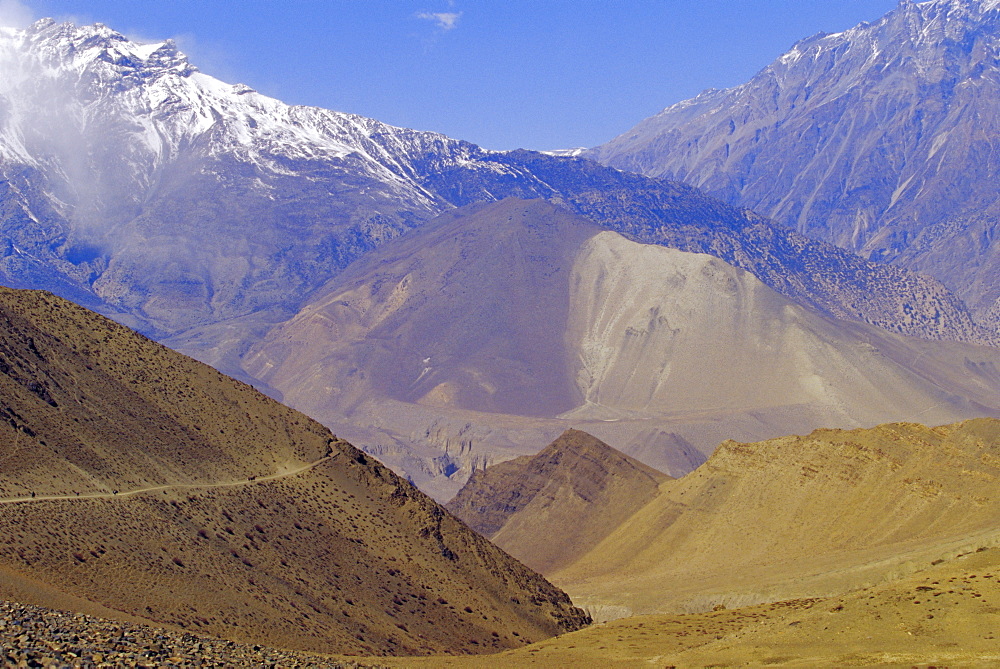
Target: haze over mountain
x,y
506,323
137,483
202,212
880,139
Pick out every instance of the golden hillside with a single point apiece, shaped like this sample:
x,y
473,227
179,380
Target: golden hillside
x,y
801,517
139,484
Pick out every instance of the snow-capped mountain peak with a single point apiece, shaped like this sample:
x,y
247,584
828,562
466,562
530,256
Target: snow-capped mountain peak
x,y
880,139
69,91
96,49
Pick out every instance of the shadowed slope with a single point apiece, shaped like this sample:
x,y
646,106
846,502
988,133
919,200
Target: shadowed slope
x,y
550,508
470,311
89,406
801,516
261,526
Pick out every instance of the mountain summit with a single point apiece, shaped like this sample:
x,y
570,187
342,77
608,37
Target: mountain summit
x,y
549,509
880,139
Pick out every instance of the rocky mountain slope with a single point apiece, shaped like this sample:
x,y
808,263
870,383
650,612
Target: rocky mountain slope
x,y
554,506
801,517
137,483
880,139
203,213
501,325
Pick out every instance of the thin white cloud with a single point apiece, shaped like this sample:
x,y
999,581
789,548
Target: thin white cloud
x,y
14,14
444,20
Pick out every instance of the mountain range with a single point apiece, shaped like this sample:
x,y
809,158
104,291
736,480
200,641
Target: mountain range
x,y
184,203
801,269
213,218
879,139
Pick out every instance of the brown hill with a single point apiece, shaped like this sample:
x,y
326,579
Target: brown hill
x,y
549,509
801,517
521,309
139,483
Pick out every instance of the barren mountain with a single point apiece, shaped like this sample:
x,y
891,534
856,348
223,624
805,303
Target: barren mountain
x,y
140,484
880,139
801,517
548,509
501,325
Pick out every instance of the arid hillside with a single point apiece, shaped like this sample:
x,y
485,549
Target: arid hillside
x,y
138,484
945,615
548,509
801,517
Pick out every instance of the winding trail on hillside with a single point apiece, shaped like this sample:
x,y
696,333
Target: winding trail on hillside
x,y
172,486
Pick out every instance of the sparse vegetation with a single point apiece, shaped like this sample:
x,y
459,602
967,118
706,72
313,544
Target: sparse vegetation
x,y
276,560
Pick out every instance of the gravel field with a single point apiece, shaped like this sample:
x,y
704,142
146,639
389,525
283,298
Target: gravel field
x,y
32,636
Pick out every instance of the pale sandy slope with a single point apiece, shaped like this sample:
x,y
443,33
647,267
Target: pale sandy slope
x,y
491,330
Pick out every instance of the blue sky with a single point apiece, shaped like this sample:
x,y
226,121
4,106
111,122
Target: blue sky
x,y
503,74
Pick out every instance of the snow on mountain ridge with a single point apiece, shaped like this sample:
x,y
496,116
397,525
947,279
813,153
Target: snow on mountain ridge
x,y
58,74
